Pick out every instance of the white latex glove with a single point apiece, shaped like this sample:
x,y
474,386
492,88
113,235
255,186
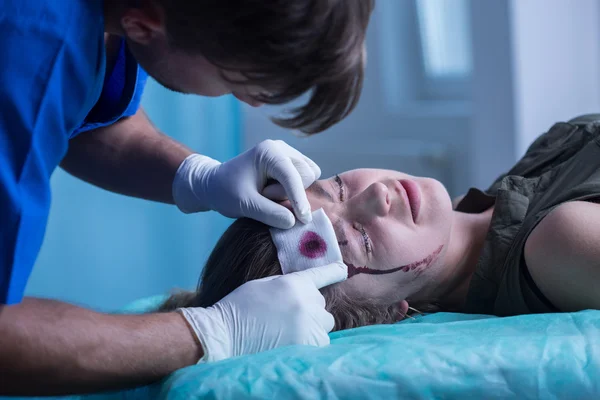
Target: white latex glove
x,y
267,313
234,188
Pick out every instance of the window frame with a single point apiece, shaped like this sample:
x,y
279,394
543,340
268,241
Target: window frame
x,y
444,88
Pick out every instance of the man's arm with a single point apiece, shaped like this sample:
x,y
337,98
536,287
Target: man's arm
x,y
563,256
52,348
130,157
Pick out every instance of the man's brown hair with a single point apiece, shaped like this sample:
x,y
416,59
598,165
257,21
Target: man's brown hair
x,y
289,47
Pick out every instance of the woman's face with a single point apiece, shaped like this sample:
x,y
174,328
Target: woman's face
x,y
393,229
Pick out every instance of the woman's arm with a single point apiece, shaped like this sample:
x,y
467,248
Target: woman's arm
x,y
563,256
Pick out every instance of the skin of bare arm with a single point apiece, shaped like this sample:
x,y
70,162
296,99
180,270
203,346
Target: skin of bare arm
x,y
563,256
53,348
130,157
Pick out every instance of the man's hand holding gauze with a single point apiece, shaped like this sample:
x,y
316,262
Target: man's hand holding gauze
x,y
278,310
267,313
235,188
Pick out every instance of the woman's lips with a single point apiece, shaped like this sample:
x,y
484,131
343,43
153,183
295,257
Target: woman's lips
x,y
414,197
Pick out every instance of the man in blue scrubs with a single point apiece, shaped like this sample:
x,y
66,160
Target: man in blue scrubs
x,y
72,76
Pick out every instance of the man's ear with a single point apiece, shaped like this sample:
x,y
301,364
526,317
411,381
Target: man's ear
x,y
144,24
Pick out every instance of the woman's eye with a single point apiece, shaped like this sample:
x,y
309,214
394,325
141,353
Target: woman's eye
x,y
366,240
340,183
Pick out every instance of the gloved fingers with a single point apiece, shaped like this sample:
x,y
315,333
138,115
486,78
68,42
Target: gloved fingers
x,y
274,192
325,275
294,154
265,279
307,173
311,294
316,169
326,320
285,172
321,336
270,213
268,278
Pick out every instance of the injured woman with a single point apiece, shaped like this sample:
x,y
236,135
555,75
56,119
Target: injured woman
x,y
528,244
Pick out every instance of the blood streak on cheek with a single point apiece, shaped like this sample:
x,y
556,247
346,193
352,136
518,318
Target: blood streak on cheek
x,y
312,245
417,266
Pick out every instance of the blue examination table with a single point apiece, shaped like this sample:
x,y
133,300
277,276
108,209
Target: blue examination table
x,y
438,356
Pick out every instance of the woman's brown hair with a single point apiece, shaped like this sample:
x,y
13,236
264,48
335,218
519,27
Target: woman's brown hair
x,y
246,252
288,47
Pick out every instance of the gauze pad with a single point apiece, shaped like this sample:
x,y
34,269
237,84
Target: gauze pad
x,y
307,246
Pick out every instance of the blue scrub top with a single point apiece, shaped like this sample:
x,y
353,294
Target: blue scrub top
x,y
53,87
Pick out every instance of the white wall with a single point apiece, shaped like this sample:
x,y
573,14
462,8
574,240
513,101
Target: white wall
x,y
556,63
536,62
491,143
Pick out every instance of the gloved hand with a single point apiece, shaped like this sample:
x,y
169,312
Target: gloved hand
x,y
234,188
267,313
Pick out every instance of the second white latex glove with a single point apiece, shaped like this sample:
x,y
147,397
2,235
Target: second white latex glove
x,y
267,313
235,188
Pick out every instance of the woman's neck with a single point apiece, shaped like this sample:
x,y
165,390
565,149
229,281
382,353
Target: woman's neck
x,y
464,249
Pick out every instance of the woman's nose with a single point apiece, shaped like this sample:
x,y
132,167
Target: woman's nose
x,y
373,202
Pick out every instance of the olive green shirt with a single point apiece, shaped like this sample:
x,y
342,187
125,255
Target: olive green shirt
x,y
561,165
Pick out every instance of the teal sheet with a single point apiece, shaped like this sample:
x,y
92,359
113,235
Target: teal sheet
x,y
449,356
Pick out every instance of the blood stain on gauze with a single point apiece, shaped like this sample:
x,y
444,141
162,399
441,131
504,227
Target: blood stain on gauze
x,y
312,245
418,266
307,246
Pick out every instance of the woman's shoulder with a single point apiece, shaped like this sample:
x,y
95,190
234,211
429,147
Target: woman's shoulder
x,y
563,256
